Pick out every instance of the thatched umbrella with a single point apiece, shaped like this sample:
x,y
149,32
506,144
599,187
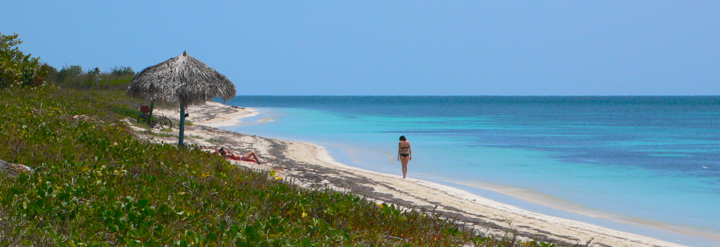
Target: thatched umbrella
x,y
184,79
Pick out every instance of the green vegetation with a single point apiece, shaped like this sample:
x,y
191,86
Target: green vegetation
x,y
16,68
96,185
73,77
20,70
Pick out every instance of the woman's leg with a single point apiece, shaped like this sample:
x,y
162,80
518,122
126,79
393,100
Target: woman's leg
x,y
251,156
404,161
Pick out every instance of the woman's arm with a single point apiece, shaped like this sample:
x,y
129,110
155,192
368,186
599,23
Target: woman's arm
x,y
398,155
410,151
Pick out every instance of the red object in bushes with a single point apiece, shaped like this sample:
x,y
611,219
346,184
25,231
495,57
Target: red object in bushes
x,y
145,109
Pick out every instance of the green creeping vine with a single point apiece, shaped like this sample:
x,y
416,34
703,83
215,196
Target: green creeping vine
x,y
95,185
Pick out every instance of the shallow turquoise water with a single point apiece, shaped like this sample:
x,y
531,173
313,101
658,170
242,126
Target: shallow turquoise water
x,y
649,160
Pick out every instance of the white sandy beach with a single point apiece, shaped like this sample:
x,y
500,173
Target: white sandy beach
x,y
311,165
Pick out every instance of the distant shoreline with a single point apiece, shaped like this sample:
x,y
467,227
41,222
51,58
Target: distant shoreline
x,y
311,166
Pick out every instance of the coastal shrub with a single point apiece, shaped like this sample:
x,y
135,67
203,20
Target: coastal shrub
x,y
73,77
16,68
96,184
19,69
122,70
51,73
69,73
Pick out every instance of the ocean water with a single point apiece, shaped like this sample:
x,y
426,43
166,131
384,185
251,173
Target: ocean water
x,y
649,165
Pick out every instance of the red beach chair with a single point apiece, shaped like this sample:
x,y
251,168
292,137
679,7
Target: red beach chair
x,y
145,109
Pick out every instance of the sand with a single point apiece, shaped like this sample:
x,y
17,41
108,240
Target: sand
x,y
311,166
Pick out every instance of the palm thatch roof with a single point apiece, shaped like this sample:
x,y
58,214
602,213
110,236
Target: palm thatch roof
x,y
184,79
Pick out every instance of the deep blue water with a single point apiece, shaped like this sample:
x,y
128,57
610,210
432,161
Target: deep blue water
x,y
636,159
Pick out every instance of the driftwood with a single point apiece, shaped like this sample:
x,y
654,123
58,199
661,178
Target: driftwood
x,y
14,169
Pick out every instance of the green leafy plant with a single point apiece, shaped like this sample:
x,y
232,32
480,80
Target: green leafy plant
x,y
16,68
122,70
95,185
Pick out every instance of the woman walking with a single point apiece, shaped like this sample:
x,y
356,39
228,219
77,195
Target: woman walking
x,y
404,154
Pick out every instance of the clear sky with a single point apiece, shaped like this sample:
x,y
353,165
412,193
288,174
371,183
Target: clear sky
x,y
393,47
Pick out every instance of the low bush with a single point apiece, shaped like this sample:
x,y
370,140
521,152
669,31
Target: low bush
x,y
95,184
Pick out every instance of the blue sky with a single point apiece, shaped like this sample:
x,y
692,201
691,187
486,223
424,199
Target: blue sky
x,y
393,47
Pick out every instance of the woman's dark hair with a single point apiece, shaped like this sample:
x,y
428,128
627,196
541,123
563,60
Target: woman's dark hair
x,y
402,138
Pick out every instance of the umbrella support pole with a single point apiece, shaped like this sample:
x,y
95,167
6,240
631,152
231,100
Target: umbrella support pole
x,y
182,78
182,125
152,104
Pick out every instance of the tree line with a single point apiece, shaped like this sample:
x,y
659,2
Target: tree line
x,y
20,70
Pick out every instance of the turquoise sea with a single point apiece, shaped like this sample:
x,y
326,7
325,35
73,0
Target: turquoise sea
x,y
647,165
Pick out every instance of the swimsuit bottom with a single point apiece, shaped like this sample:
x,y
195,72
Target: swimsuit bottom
x,y
405,155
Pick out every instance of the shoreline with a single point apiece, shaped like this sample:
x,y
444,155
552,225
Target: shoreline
x,y
311,166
